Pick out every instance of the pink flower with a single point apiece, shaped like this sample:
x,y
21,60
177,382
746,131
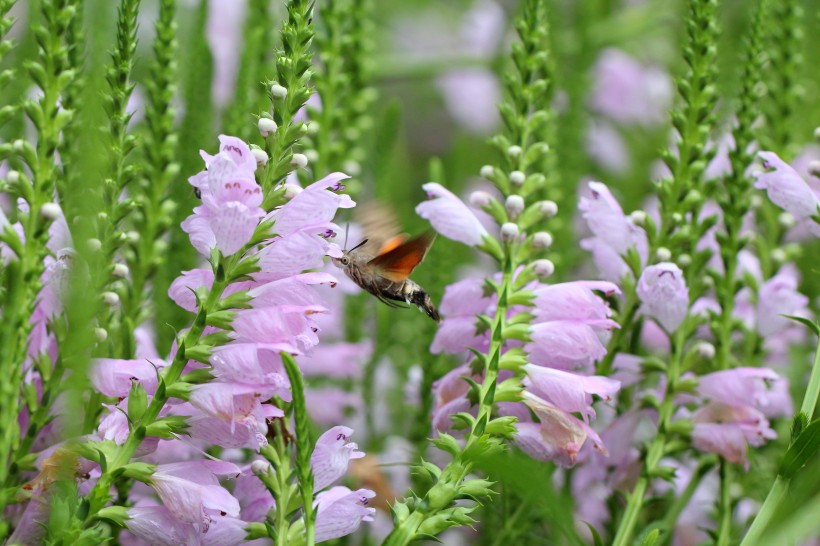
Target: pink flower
x,y
575,301
664,295
157,526
191,491
564,344
328,405
336,360
276,325
237,405
340,511
568,391
182,289
450,216
628,92
779,296
331,455
113,377
757,387
462,301
786,188
727,430
558,437
230,196
290,255
312,209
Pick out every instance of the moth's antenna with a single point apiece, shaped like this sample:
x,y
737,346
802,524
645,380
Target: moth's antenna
x,y
357,246
347,229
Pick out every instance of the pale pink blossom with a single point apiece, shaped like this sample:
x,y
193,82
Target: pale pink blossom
x,y
761,388
340,511
331,456
786,188
728,430
450,216
564,344
664,295
313,208
191,491
568,391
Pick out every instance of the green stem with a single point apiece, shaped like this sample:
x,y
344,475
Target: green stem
x,y
725,504
776,495
682,501
810,398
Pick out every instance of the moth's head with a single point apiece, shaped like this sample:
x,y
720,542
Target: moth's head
x,y
343,261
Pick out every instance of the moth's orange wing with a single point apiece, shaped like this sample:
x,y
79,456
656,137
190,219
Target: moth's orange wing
x,y
397,264
392,243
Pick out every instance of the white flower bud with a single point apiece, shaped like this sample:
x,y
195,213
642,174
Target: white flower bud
x,y
677,217
817,133
638,217
299,161
480,199
756,201
278,92
94,245
509,231
663,254
684,260
13,177
542,239
487,171
514,205
705,349
110,298
120,270
543,268
814,168
313,127
260,155
100,334
19,145
351,167
132,236
259,467
517,178
50,211
514,151
291,191
312,156
267,126
779,255
786,220
102,216
548,208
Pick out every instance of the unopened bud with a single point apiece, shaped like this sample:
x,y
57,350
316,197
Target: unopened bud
x,y
817,133
50,211
548,208
480,199
94,245
487,171
291,191
779,255
638,217
705,349
120,270
259,467
514,151
542,239
102,216
514,205
756,201
13,177
299,161
260,155
19,145
517,178
110,298
132,236
684,260
312,156
677,217
786,220
278,92
814,168
663,254
266,126
509,231
543,268
100,334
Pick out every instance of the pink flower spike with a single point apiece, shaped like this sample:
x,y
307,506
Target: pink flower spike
x,y
568,391
786,188
664,295
191,490
340,511
450,216
331,455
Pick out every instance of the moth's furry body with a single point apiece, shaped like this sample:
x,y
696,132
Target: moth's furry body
x,y
388,291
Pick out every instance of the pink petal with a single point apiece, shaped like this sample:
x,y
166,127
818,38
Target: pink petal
x,y
450,216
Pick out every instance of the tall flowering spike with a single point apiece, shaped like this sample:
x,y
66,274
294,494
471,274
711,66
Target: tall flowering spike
x,y
332,453
664,295
340,511
786,188
450,216
231,200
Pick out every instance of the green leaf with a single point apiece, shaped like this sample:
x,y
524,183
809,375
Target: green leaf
x,y
596,538
137,402
801,451
652,538
810,324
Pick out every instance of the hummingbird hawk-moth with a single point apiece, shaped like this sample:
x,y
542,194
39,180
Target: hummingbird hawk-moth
x,y
382,263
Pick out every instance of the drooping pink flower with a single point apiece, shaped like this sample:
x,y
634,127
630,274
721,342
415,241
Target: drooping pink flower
x,y
727,430
568,391
664,295
340,511
113,377
191,492
331,456
564,344
779,296
757,387
575,301
450,216
236,404
461,302
316,204
157,525
786,188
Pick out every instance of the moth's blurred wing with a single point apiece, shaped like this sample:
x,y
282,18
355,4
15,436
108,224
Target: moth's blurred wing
x,y
397,264
379,226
